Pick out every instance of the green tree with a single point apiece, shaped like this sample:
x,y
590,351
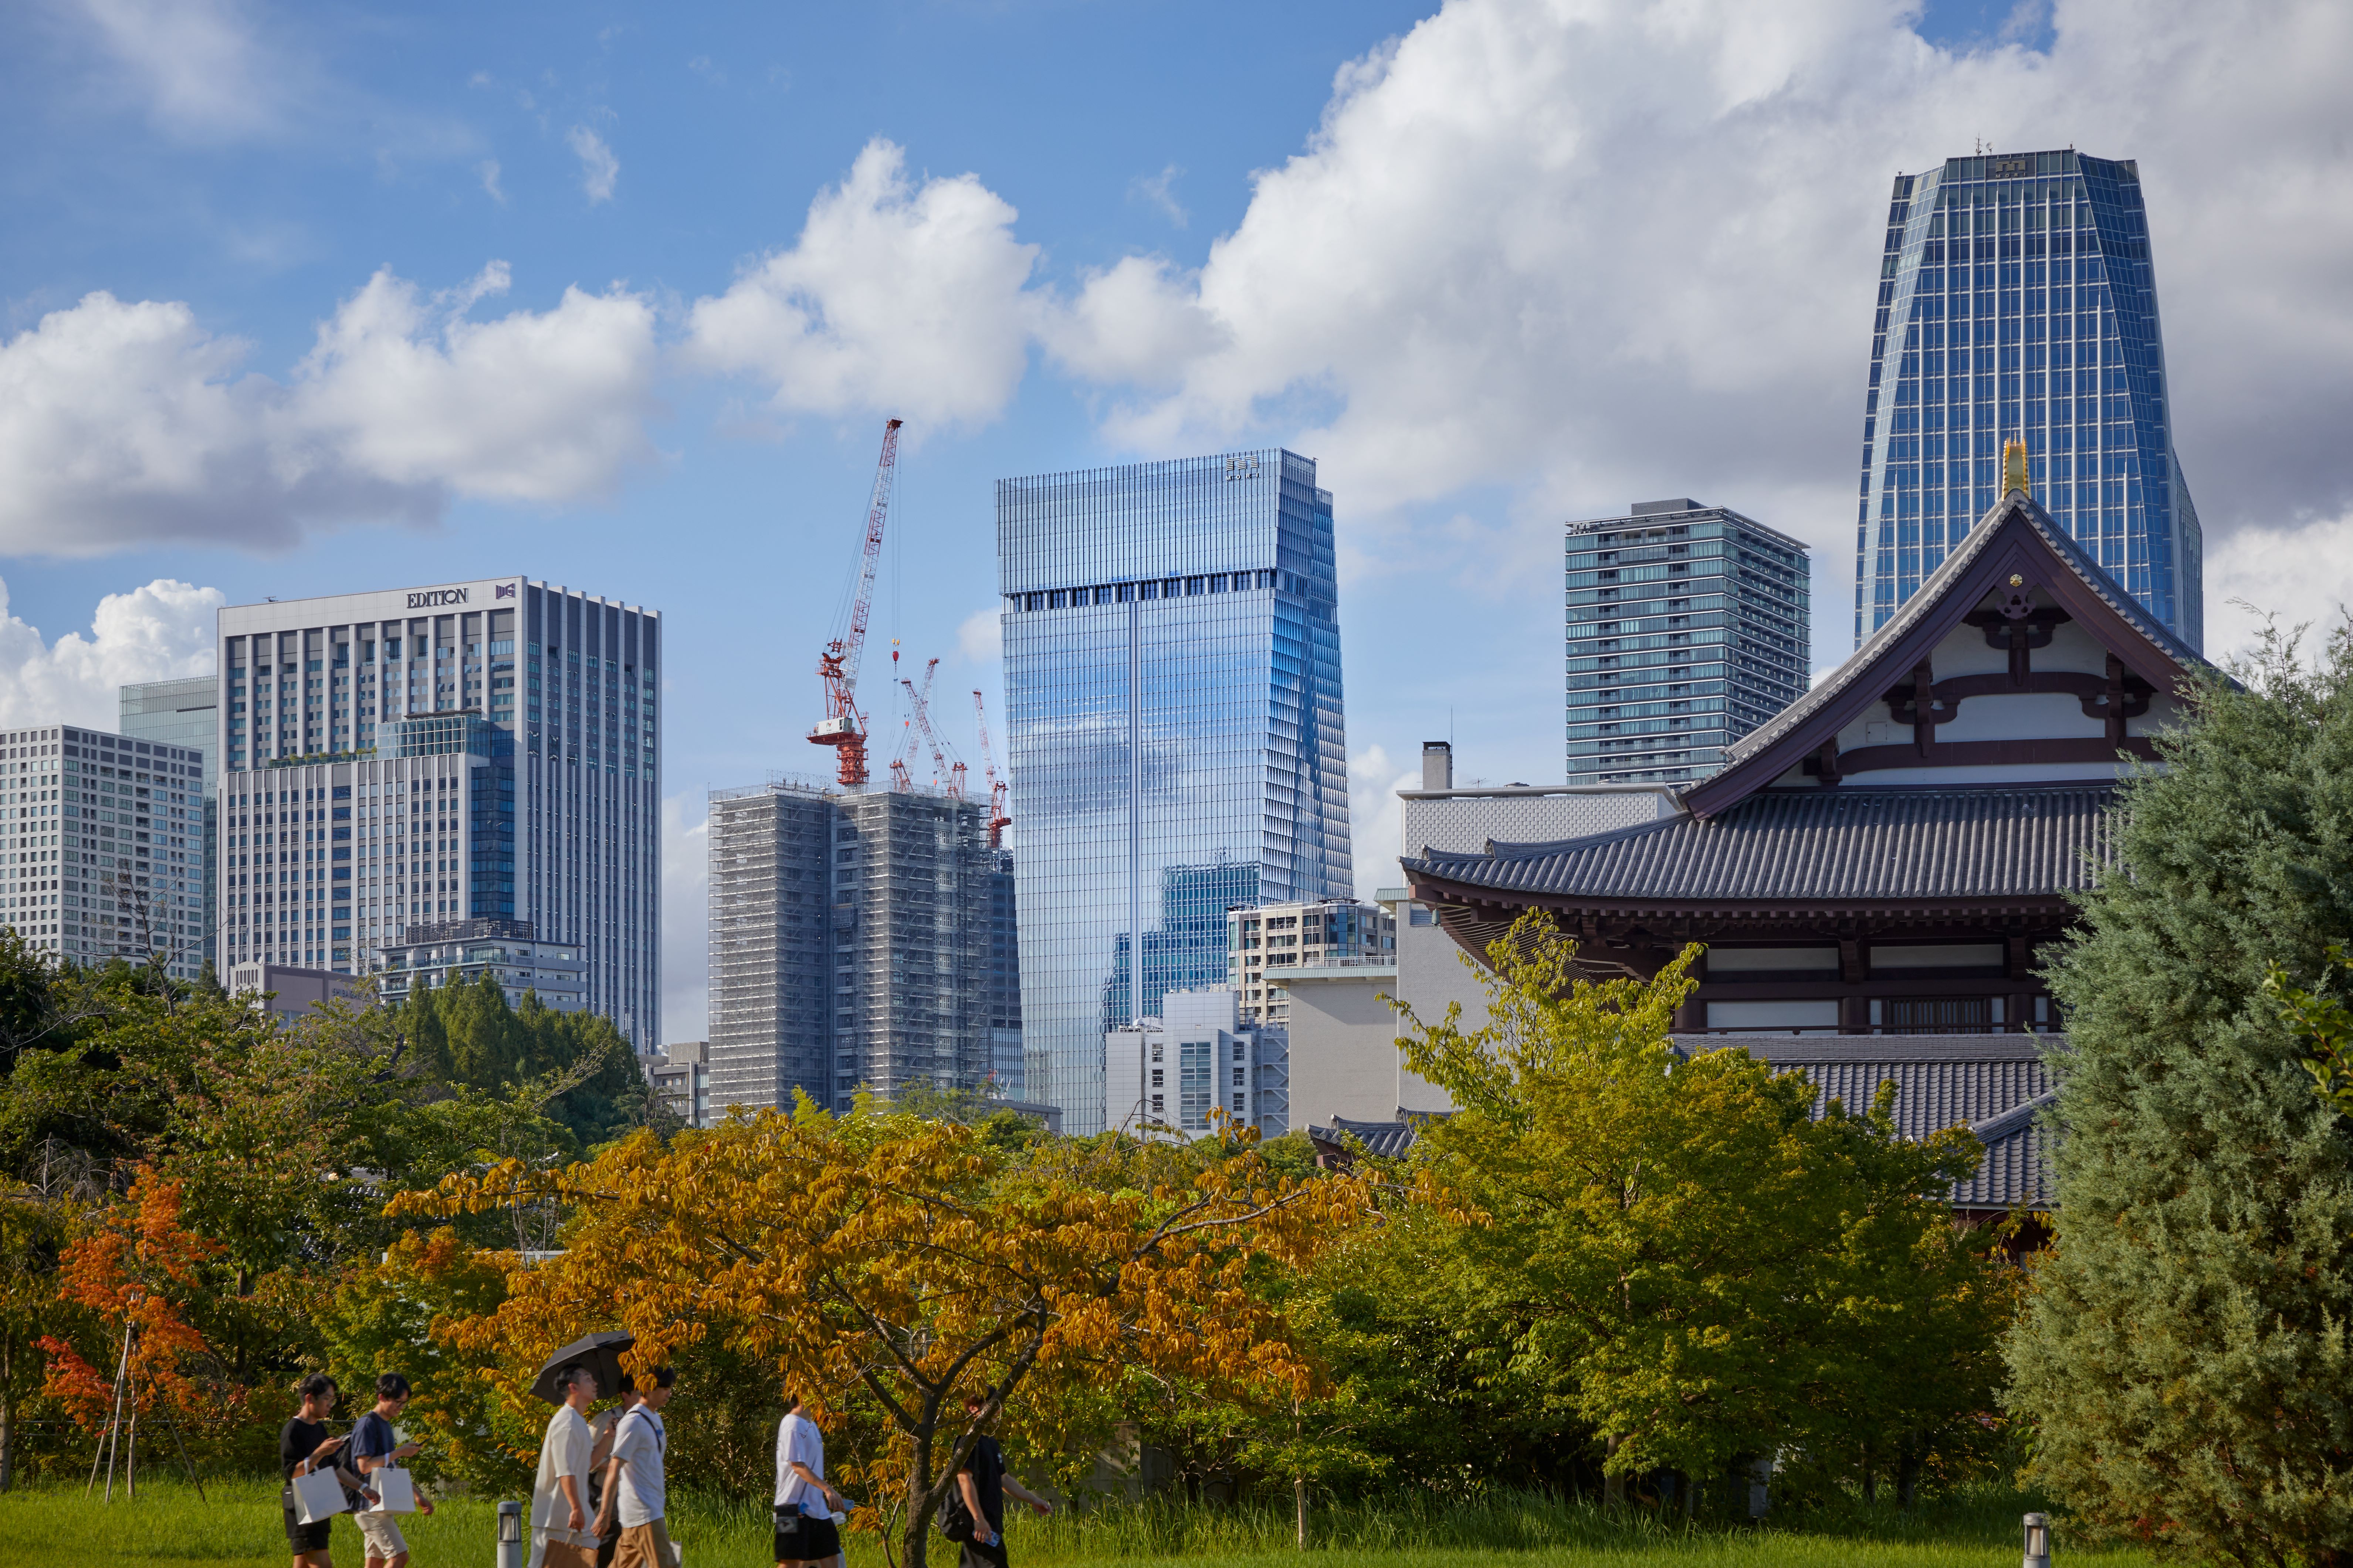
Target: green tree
x,y
2183,1352
1683,1258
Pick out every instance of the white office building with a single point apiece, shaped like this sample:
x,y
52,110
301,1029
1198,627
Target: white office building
x,y
1164,1075
186,714
102,847
418,756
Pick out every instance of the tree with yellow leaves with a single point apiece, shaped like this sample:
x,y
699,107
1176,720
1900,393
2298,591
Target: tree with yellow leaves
x,y
885,1262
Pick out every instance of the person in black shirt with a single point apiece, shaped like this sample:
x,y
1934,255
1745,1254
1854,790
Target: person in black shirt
x,y
981,1487
305,1444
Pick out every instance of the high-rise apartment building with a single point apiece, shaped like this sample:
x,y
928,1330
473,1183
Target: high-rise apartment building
x,y
1263,942
2017,301
1688,626
475,751
857,940
188,713
1172,683
102,847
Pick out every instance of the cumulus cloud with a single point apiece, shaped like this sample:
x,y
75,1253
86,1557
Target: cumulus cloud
x,y
898,296
981,638
1375,817
2300,574
124,423
686,919
598,167
161,632
1590,252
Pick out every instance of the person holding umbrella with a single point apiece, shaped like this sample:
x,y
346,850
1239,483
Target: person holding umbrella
x,y
599,1356
559,1499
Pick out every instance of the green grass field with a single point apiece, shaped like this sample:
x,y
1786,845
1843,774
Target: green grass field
x,y
168,1528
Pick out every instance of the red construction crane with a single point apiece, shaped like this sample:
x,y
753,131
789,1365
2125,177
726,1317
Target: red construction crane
x,y
951,774
998,821
844,727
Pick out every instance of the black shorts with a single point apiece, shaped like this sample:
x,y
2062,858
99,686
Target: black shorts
x,y
803,1538
304,1537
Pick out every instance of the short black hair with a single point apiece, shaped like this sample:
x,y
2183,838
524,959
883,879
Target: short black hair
x,y
661,1377
628,1385
571,1376
318,1386
392,1386
792,1402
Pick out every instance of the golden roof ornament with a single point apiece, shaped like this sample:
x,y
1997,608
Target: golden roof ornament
x,y
2014,474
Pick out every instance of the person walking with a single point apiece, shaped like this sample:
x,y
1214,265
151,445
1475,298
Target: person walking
x,y
981,1486
602,1430
375,1446
633,1481
806,1504
304,1445
559,1498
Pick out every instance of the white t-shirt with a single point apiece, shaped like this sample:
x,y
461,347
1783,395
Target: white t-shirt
x,y
563,1452
799,1442
638,1444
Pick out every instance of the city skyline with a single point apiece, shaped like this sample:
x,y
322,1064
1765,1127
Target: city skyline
x,y
320,305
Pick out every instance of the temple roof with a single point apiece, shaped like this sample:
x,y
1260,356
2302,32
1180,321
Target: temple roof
x,y
1843,847
2016,536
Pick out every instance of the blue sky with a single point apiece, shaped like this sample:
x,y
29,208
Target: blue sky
x,y
646,281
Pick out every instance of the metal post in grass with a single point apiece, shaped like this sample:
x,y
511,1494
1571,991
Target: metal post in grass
x,y
510,1535
2037,1540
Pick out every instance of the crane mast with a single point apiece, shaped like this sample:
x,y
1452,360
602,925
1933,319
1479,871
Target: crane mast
x,y
998,821
843,726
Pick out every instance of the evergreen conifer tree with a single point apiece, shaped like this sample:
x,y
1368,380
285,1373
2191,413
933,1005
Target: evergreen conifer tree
x,y
2184,1352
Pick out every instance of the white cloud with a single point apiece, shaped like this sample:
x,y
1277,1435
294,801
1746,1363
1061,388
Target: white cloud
x,y
128,422
489,173
200,65
161,632
1587,252
981,638
686,919
1375,818
598,167
898,297
2300,572
1159,191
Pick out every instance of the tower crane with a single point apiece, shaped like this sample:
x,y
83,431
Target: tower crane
x,y
998,821
844,727
901,781
951,774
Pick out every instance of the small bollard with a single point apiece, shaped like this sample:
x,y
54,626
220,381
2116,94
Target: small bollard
x,y
510,1535
2037,1540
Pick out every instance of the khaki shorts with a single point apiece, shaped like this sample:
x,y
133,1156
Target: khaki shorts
x,y
382,1533
645,1546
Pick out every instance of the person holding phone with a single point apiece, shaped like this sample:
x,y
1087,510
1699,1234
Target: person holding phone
x,y
305,1444
375,1446
981,1486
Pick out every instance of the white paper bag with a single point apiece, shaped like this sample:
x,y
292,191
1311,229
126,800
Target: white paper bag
x,y
318,1495
394,1492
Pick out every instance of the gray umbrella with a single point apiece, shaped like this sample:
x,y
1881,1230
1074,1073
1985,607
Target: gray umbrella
x,y
600,1354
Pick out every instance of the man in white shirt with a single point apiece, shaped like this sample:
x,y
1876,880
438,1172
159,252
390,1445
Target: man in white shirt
x,y
805,1533
633,1480
559,1499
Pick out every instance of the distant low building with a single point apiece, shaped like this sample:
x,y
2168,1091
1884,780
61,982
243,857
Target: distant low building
x,y
680,1074
289,993
1164,1077
434,955
1268,942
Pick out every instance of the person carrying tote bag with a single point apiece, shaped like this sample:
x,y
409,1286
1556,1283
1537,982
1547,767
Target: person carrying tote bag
x,y
559,1511
309,1460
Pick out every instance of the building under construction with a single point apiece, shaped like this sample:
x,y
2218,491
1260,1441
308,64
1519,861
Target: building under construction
x,y
859,939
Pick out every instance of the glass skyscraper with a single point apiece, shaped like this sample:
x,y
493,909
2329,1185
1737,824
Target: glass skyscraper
x,y
2017,300
1172,683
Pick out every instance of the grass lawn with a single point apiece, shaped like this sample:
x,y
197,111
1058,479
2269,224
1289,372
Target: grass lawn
x,y
169,1528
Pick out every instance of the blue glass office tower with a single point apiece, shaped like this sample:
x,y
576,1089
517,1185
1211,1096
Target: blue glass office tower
x,y
2017,300
1172,685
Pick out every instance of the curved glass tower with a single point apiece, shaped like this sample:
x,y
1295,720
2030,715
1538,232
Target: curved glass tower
x,y
2017,300
1172,689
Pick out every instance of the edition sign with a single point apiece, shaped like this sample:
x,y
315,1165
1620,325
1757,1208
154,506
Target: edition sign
x,y
430,598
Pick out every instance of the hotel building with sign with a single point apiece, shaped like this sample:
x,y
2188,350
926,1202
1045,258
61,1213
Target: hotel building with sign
x,y
482,751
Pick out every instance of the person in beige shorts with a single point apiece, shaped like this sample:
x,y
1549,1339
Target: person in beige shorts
x,y
374,1446
633,1480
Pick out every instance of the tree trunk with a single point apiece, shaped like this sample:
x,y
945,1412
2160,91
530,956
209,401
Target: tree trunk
x,y
1870,1477
1298,1500
1613,1482
1907,1474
